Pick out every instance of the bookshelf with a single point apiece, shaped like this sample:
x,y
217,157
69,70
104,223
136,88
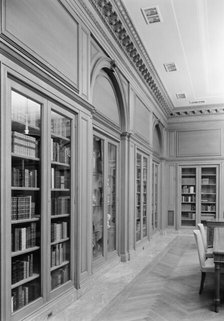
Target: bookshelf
x,y
188,197
41,202
198,194
104,198
155,186
111,197
141,196
25,201
208,193
60,199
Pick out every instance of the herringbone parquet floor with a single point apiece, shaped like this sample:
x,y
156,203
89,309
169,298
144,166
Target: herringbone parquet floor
x,y
167,290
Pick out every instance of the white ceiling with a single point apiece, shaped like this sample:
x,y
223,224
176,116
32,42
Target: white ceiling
x,y
191,35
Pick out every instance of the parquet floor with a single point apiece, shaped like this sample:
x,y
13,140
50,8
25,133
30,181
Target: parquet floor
x,y
166,290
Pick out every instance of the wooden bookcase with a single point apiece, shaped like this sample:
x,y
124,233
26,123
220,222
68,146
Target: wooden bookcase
x,y
141,218
41,249
104,198
198,194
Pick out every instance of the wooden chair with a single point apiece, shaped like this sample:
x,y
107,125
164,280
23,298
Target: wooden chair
x,y
206,265
208,251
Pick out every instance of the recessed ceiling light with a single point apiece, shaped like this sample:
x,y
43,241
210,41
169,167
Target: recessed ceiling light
x,y
151,15
181,96
170,67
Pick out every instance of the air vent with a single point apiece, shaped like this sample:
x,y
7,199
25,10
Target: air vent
x,y
197,102
151,15
181,96
170,67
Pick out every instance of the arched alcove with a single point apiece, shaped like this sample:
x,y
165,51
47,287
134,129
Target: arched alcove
x,y
105,99
107,92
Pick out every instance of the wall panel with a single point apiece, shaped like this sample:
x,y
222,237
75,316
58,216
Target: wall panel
x,y
52,34
141,119
199,143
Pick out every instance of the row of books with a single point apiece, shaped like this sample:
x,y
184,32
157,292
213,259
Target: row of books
x,y
24,237
188,199
58,254
188,216
188,207
22,207
188,189
22,268
61,127
60,152
23,295
208,208
24,144
59,231
59,277
24,177
60,205
60,178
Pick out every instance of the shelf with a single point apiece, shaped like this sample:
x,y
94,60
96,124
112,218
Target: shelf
x,y
25,220
21,156
53,268
60,164
24,281
60,241
28,250
59,216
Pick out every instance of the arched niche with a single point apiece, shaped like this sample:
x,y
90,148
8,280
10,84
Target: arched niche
x,y
157,139
107,92
105,99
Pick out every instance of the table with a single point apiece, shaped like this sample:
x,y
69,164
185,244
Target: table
x,y
210,229
218,251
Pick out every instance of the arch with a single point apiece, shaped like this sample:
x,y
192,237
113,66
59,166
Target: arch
x,y
105,67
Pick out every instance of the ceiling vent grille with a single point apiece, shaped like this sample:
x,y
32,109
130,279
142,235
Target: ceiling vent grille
x,y
197,102
170,67
151,15
181,96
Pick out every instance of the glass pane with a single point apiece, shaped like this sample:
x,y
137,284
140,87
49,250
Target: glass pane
x,y
25,201
188,195
208,193
138,197
156,196
111,198
97,201
144,201
153,194
60,199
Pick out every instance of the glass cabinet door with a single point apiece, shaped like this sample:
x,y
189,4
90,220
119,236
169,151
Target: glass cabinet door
x,y
97,201
111,197
208,193
26,257
155,186
144,201
60,199
141,197
138,197
104,194
188,196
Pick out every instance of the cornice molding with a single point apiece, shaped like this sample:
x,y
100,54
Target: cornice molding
x,y
115,18
199,111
